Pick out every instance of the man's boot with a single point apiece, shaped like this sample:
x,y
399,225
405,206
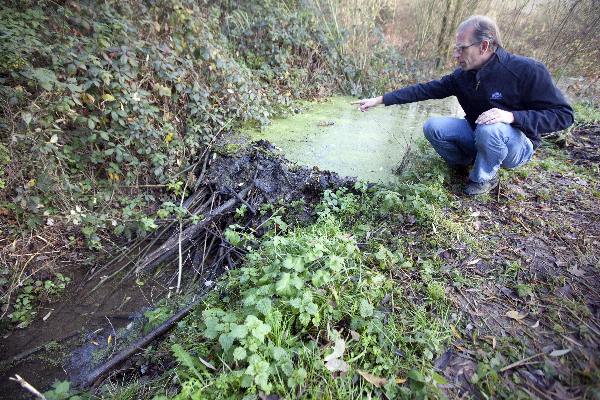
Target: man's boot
x,y
474,188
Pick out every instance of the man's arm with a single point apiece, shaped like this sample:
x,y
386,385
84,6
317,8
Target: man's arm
x,y
437,89
545,108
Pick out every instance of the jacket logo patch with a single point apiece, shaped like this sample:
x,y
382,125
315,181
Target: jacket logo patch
x,y
496,96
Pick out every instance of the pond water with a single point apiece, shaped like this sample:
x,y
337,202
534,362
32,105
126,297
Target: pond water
x,y
334,135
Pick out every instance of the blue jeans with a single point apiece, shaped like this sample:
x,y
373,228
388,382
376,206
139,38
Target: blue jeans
x,y
488,147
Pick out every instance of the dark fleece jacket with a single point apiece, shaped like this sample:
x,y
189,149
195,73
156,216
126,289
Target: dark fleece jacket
x,y
508,82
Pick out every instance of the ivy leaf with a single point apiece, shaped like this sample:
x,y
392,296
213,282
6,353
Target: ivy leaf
x,y
163,90
45,77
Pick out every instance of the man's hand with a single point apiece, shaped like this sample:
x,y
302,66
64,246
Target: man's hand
x,y
366,104
494,116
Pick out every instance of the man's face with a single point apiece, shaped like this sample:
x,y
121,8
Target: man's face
x,y
471,57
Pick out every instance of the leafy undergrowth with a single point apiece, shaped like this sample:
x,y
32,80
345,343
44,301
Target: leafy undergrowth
x,y
409,291
110,110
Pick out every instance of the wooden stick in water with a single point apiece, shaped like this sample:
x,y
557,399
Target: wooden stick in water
x,y
27,386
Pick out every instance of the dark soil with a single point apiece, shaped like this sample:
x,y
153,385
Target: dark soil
x,y
274,177
548,224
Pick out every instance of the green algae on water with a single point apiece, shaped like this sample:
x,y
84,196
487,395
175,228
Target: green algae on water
x,y
334,135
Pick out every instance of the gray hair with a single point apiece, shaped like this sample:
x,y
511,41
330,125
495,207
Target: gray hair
x,y
484,28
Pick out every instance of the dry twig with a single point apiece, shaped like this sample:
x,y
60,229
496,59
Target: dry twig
x,y
27,386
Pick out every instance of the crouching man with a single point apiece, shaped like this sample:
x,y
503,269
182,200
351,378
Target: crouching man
x,y
509,101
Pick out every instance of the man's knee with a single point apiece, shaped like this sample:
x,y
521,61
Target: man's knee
x,y
434,128
490,135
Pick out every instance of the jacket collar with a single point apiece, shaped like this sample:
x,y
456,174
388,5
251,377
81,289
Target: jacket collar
x,y
499,55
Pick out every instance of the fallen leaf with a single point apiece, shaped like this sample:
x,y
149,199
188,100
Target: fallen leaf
x,y
372,379
207,364
455,332
400,381
27,117
537,323
515,315
109,339
335,365
576,271
558,353
355,335
338,349
473,262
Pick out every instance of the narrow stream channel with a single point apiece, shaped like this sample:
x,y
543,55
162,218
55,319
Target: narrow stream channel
x,y
334,135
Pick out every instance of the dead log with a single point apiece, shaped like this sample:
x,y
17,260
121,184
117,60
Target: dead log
x,y
124,354
170,247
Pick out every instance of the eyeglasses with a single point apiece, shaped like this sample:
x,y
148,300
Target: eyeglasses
x,y
459,48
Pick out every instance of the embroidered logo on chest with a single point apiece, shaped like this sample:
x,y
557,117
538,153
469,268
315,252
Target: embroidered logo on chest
x,y
496,96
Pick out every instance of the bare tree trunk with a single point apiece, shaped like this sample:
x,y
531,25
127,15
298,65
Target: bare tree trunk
x,y
453,21
424,28
515,18
442,39
560,29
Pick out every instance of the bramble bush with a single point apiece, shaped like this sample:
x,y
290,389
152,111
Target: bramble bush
x,y
106,108
99,107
